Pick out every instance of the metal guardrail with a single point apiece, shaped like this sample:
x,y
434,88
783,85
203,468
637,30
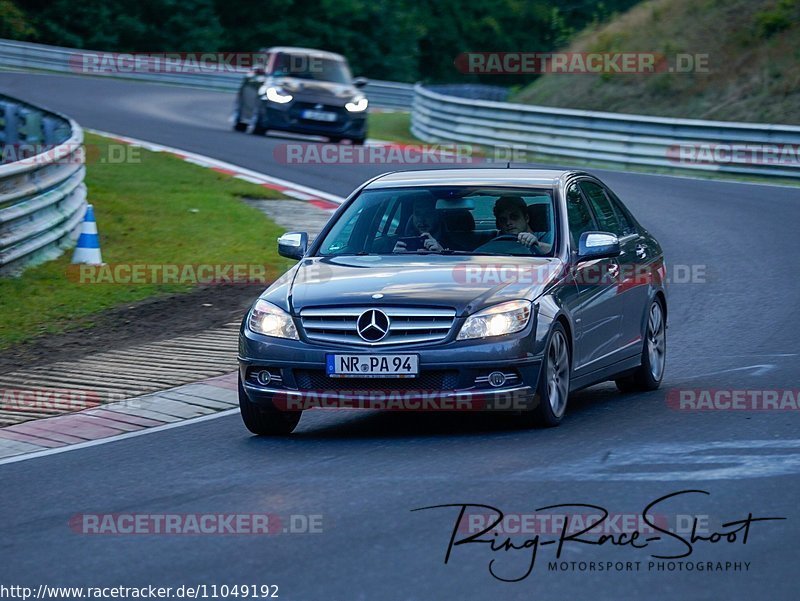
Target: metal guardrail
x,y
24,55
614,138
42,194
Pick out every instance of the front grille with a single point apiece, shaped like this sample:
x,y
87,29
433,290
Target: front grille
x,y
317,379
407,325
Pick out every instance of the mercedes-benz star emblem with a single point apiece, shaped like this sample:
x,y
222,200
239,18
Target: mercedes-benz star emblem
x,y
372,325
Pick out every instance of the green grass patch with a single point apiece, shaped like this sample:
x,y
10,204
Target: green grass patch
x,y
153,208
393,127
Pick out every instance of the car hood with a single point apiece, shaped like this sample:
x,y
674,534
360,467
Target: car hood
x,y
465,283
318,91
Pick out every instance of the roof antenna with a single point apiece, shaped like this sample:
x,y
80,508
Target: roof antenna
x,y
508,165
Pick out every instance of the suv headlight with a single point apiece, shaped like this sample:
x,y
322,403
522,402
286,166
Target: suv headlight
x,y
275,94
505,318
265,318
357,104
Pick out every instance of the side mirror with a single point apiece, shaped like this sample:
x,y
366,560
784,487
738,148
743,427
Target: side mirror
x,y
293,245
360,82
598,245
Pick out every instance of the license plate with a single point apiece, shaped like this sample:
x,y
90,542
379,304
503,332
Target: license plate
x,y
372,366
319,115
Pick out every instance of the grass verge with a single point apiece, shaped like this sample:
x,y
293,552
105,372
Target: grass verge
x,y
393,127
151,208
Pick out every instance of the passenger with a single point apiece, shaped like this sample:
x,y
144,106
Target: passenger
x,y
425,222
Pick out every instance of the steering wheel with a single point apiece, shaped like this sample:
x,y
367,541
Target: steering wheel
x,y
534,250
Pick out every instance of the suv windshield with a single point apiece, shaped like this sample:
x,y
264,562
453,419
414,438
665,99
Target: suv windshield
x,y
446,220
309,66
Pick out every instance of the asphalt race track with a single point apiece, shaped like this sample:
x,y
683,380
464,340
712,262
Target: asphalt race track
x,y
364,472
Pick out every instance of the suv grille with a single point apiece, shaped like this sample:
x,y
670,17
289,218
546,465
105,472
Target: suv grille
x,y
407,325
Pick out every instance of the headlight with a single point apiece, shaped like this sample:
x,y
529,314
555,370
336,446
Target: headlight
x,y
505,318
275,94
357,104
266,318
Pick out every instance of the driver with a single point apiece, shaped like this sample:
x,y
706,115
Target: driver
x,y
512,219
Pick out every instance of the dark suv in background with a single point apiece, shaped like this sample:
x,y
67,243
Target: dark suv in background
x,y
303,91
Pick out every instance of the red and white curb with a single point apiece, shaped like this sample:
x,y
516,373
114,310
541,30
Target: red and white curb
x,y
318,198
183,405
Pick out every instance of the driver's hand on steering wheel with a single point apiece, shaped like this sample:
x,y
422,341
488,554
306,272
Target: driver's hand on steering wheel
x,y
527,239
430,243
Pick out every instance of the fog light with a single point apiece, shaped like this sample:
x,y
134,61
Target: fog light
x,y
264,377
497,379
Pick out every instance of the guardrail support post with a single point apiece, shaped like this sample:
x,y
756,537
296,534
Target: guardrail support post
x,y
10,133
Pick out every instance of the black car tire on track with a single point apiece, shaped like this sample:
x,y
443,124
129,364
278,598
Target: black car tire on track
x,y
256,128
265,421
238,125
646,378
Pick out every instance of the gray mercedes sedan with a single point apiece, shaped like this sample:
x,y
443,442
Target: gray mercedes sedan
x,y
458,290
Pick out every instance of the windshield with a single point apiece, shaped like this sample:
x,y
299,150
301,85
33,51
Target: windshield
x,y
445,220
308,66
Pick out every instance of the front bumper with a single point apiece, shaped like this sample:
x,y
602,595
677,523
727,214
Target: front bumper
x,y
289,118
451,375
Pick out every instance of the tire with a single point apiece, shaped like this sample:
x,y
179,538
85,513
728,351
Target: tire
x,y
334,140
266,421
552,391
358,141
650,372
256,128
238,125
